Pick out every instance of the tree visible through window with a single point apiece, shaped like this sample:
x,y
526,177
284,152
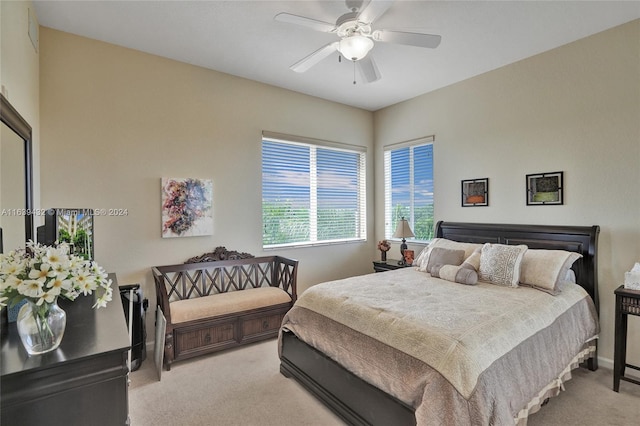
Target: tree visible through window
x,y
311,193
408,174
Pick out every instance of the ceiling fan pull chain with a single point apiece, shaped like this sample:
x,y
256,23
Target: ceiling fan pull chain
x,y
354,72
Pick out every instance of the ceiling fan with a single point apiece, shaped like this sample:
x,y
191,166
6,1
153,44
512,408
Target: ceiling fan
x,y
357,36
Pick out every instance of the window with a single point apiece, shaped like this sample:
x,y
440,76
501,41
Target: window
x,y
312,192
408,187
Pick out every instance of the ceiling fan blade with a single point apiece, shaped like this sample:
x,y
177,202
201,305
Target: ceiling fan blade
x,y
374,10
313,24
368,69
412,39
305,63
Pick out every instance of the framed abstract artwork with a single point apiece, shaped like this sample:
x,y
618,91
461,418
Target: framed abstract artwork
x,y
187,207
475,192
545,189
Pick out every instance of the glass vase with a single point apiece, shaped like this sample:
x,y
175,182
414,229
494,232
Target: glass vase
x,y
383,255
41,327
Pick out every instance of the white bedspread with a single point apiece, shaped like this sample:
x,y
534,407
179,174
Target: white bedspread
x,y
411,311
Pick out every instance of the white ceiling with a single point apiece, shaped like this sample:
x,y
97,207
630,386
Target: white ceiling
x,y
241,38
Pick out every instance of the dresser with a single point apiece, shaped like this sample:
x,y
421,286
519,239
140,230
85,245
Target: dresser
x,y
82,382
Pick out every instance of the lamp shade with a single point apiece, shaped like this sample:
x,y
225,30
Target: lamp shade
x,y
403,230
355,47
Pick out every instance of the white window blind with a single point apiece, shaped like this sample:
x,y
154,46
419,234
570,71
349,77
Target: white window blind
x,y
311,193
408,184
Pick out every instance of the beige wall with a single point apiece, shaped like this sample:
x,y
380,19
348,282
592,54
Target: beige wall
x,y
574,109
115,121
19,75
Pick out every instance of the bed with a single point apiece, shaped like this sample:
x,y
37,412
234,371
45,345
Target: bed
x,y
372,364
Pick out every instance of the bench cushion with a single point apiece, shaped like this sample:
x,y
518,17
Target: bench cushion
x,y
226,303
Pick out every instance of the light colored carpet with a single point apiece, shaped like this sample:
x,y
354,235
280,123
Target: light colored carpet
x,y
241,386
244,386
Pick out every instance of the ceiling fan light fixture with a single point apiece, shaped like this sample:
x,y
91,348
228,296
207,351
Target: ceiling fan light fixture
x,y
355,47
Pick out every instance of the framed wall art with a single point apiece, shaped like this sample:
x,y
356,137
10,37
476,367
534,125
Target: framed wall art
x,y
545,189
186,207
475,192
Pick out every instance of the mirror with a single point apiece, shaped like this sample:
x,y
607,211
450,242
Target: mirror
x,y
16,179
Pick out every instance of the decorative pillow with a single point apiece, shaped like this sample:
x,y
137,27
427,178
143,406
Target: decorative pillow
x,y
473,261
500,264
463,274
423,259
546,269
444,256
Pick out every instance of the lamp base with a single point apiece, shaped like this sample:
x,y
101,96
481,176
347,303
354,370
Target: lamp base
x,y
403,247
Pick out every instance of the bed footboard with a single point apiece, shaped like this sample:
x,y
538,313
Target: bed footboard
x,y
351,398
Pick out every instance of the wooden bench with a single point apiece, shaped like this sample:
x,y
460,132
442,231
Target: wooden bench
x,y
221,300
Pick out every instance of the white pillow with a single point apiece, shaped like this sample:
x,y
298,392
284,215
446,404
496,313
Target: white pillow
x,y
422,257
545,269
500,264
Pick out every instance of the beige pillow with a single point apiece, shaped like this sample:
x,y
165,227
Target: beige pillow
x,y
546,269
500,264
463,274
423,258
444,256
473,261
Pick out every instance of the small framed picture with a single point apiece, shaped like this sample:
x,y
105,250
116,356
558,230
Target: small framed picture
x,y
545,189
408,257
475,192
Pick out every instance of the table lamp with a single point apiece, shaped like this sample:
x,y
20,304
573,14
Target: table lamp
x,y
403,230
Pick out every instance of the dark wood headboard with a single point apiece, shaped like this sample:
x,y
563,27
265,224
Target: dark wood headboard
x,y
580,239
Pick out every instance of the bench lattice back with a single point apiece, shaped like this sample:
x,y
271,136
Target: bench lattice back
x,y
187,281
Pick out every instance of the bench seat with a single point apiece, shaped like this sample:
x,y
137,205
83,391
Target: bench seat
x,y
211,305
227,303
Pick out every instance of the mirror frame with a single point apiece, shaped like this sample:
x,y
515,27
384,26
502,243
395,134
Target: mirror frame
x,y
13,119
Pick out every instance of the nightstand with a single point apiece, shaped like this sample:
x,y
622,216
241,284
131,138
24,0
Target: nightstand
x,y
627,303
388,265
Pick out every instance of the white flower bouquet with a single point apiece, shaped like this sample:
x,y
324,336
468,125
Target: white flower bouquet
x,y
40,274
